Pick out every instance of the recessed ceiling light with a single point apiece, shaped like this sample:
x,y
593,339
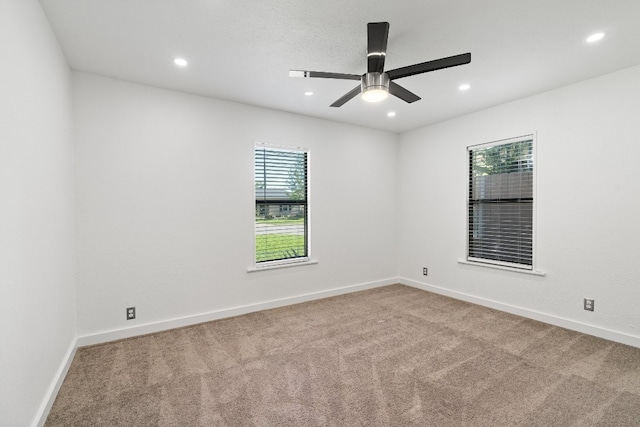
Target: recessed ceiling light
x,y
391,114
464,87
180,62
308,93
595,37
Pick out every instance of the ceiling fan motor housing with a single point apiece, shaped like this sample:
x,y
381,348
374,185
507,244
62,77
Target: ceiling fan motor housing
x,y
375,81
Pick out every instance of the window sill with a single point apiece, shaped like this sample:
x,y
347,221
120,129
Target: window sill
x,y
278,265
502,267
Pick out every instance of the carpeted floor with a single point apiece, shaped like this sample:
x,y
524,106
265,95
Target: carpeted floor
x,y
391,356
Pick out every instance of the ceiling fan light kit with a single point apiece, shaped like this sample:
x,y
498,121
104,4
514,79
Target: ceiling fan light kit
x,y
375,87
376,84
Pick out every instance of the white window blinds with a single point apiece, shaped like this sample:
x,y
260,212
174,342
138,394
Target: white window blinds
x,y
500,203
281,221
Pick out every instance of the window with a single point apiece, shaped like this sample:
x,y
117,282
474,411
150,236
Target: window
x,y
500,204
281,187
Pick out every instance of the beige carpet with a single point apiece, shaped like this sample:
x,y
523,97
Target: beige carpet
x,y
391,356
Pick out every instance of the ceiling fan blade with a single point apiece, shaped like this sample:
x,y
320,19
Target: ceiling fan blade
x,y
424,67
402,93
377,36
323,75
348,96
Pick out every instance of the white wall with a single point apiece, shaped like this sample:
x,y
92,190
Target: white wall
x,y
165,204
37,291
588,205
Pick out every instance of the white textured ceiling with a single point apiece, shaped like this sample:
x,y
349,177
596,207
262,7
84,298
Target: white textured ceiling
x,y
242,50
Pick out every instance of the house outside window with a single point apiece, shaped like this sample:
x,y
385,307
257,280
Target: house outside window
x,y
501,203
281,193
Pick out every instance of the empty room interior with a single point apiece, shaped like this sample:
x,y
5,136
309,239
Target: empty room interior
x,y
204,222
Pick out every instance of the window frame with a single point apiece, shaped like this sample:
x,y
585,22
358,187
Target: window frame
x,y
487,262
286,262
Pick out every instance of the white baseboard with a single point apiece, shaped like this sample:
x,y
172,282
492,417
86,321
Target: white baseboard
x,y
164,325
531,314
58,379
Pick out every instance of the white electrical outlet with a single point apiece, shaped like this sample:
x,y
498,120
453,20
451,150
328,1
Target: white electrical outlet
x,y
589,304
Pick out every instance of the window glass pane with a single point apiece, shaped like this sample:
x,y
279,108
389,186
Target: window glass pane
x,y
281,204
280,236
501,203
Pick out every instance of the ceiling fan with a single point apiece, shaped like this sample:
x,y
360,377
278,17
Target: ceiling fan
x,y
376,84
